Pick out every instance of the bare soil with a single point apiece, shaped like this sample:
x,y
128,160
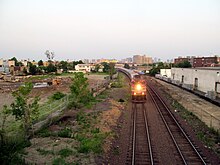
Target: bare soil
x,y
110,110
6,89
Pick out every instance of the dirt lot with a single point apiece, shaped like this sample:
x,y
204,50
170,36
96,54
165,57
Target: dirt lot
x,y
48,150
7,88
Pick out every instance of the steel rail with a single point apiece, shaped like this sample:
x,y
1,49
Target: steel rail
x,y
148,135
134,135
176,122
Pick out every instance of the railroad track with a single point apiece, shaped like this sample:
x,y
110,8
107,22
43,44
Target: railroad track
x,y
140,150
186,149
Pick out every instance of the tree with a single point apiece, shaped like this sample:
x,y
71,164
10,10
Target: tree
x,y
32,69
23,108
51,68
80,94
154,71
50,55
126,66
4,115
184,64
111,69
63,65
15,60
97,67
106,67
40,63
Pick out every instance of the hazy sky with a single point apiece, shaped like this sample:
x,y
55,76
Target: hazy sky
x,y
88,29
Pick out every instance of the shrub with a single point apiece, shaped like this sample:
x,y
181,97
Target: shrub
x,y
87,145
10,149
58,96
65,152
66,133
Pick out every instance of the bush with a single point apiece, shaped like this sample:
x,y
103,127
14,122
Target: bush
x,y
10,149
65,152
66,133
116,85
58,96
87,145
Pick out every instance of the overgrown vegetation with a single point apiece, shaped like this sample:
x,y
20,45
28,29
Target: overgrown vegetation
x,y
207,135
58,96
118,83
157,66
90,137
25,111
80,94
184,64
11,149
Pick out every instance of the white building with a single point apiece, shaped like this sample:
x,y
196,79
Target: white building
x,y
165,72
205,80
202,79
83,67
4,66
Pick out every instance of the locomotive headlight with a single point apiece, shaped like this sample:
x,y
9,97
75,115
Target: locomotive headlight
x,y
138,87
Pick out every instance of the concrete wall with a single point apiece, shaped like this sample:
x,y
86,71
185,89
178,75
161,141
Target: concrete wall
x,y
207,78
165,72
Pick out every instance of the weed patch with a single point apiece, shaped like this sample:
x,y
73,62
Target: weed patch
x,y
65,152
45,152
66,132
11,149
58,96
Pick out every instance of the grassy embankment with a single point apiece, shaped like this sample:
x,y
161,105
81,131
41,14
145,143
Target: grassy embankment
x,y
90,138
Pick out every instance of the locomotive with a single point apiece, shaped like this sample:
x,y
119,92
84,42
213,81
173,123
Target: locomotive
x,y
138,89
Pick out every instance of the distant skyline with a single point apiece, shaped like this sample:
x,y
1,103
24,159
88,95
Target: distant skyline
x,y
114,29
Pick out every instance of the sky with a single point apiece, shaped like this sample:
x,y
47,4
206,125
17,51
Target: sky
x,y
92,29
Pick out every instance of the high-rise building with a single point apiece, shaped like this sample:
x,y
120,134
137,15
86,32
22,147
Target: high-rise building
x,y
147,60
138,59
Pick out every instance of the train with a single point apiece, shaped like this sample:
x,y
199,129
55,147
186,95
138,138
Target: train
x,y
138,89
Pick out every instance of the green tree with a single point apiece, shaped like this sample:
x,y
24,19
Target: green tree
x,y
33,70
16,61
4,115
154,71
40,63
80,94
106,67
126,66
184,64
111,69
51,68
23,108
97,67
63,65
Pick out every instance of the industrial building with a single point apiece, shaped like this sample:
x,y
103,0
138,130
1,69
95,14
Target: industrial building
x,y
204,80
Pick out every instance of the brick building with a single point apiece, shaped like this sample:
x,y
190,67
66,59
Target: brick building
x,y
199,61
